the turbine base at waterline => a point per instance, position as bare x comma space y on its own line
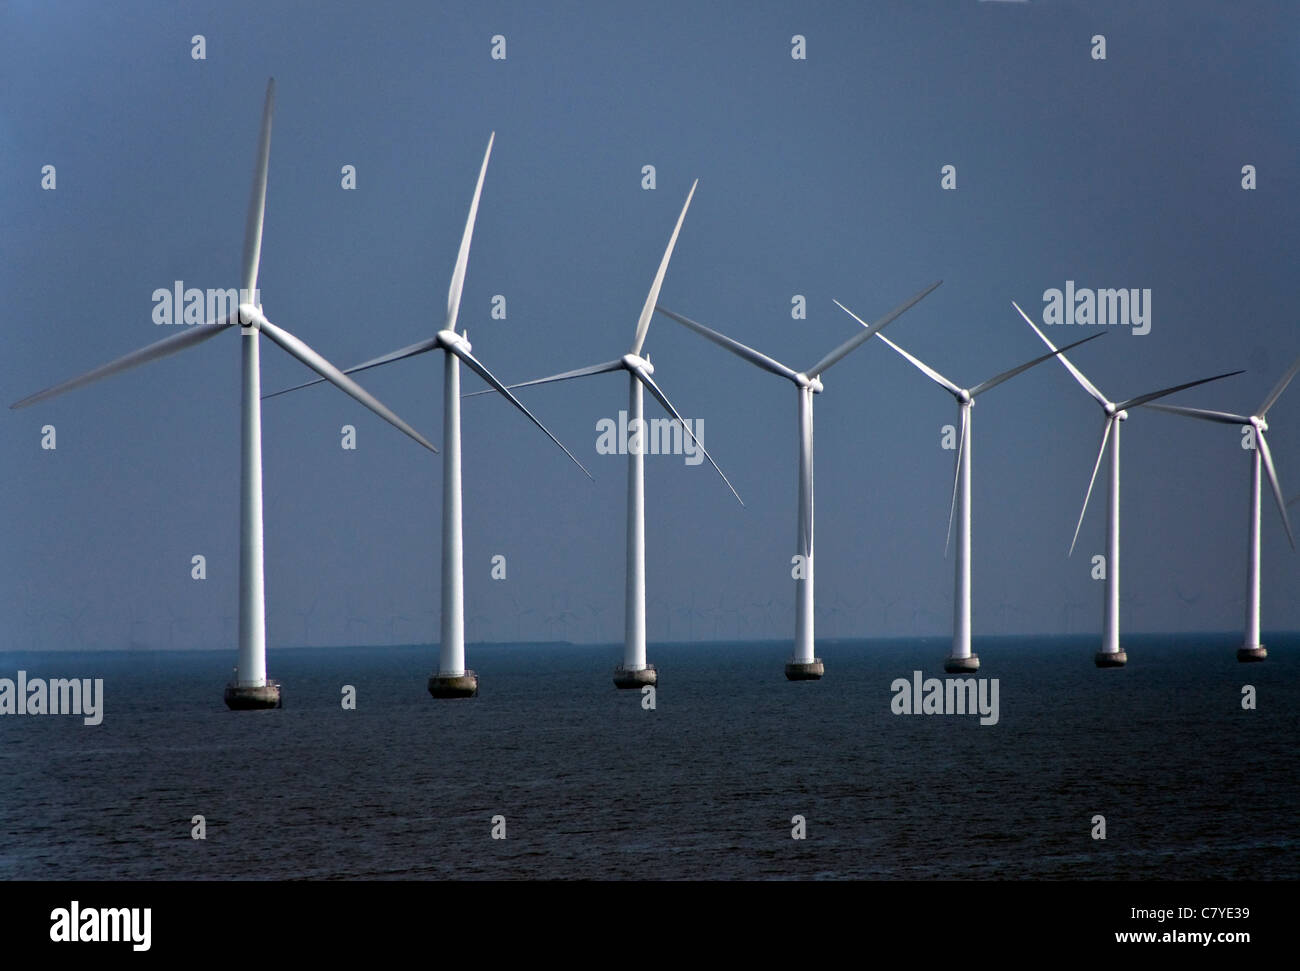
1111, 659
965, 664
1248, 655
625, 677
463, 685
804, 670
246, 696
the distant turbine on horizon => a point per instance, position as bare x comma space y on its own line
1110, 655
250, 689
1251, 648
961, 659
804, 665
452, 679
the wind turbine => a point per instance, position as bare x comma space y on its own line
634, 672
1068, 609
452, 680
352, 620
884, 613
687, 614
1110, 655
803, 665
306, 616
1251, 649
961, 659
250, 689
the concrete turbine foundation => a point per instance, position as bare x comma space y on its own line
1247, 654
625, 677
804, 670
463, 685
246, 696
968, 664
1111, 659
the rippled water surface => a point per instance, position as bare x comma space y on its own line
592, 785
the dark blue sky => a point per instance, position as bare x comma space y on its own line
818, 177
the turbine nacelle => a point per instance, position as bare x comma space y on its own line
250, 315
806, 382
453, 341
634, 362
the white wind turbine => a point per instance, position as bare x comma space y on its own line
961, 659
452, 680
1251, 649
1110, 655
803, 665
250, 689
634, 672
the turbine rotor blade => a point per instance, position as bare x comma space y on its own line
1267, 456
257, 202
956, 479
478, 368
740, 350
1222, 417
1278, 389
317, 363
462, 257
1143, 399
924, 368
654, 389
1087, 385
1105, 436
1008, 375
843, 350
196, 334
643, 322
581, 372
409, 351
